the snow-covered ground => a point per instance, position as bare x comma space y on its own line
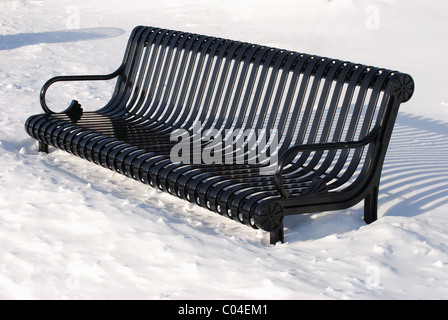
72, 230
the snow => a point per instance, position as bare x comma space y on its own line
72, 230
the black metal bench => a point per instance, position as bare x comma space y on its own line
327, 121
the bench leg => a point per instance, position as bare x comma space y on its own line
277, 235
43, 147
371, 206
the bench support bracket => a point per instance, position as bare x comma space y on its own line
43, 147
277, 235
371, 206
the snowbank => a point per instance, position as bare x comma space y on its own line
72, 230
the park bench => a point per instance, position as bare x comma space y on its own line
250, 132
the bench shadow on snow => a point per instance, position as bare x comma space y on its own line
414, 181
8, 42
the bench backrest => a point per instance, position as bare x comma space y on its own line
177, 78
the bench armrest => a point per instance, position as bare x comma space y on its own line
74, 103
289, 155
